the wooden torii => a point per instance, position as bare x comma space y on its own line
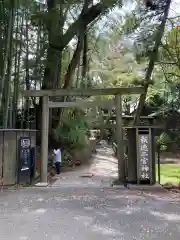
46, 105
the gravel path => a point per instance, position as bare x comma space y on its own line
84, 208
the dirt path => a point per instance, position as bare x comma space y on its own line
102, 169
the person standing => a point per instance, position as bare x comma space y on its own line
57, 159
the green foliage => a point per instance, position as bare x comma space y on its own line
169, 63
74, 131
131, 23
110, 63
156, 97
169, 54
163, 141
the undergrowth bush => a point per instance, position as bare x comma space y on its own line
73, 132
163, 141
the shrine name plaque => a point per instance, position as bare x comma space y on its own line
144, 162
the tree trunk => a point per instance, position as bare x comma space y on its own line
58, 43
74, 62
85, 46
7, 87
85, 18
56, 23
7, 51
53, 60
85, 62
152, 61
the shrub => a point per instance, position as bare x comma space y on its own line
74, 131
163, 141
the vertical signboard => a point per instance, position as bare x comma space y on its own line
24, 160
144, 171
144, 157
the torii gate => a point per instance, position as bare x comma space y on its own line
46, 104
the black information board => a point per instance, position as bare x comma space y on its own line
24, 159
144, 156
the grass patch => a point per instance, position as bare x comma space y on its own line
170, 173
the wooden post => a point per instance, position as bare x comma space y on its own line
44, 139
159, 164
119, 138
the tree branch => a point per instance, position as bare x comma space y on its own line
86, 17
73, 63
168, 63
173, 74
